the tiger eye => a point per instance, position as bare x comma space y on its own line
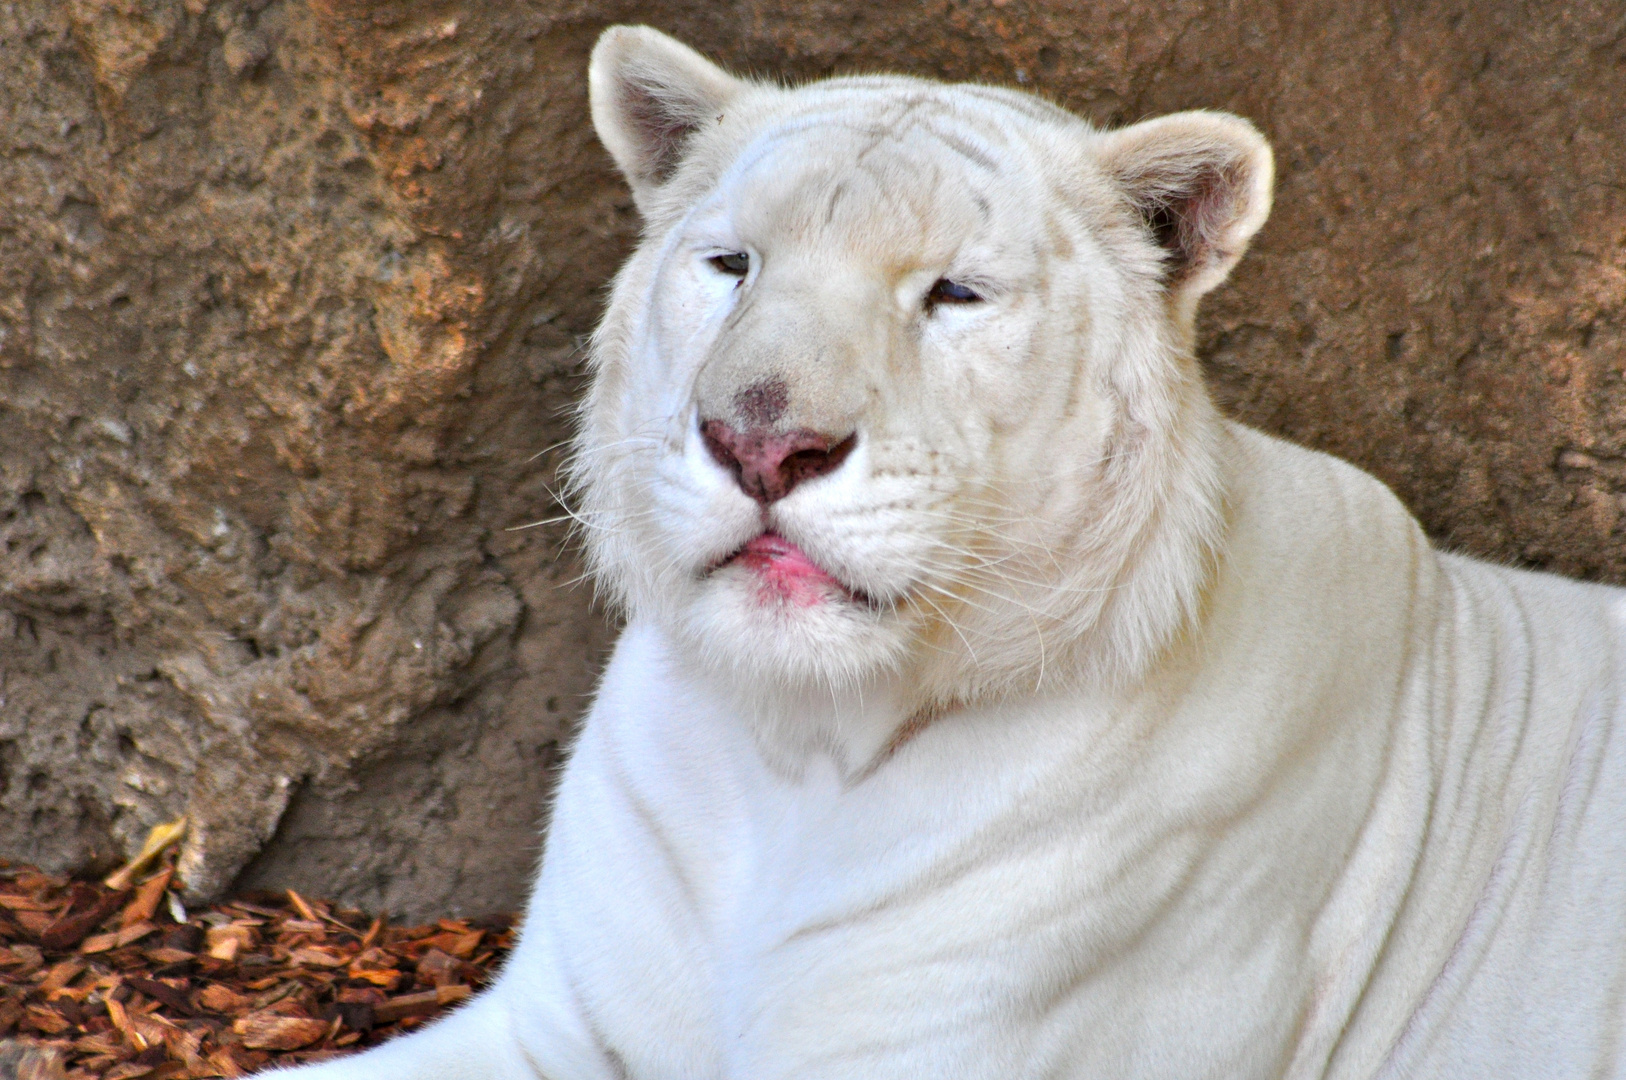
735, 263
950, 292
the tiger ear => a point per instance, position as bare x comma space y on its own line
1201, 182
649, 93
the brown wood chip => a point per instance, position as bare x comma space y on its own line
172, 996
144, 903
61, 975
306, 912
318, 956
72, 928
223, 999
27, 903
46, 1021
269, 1031
430, 1001
128, 1071
96, 943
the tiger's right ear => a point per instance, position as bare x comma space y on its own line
1200, 182
649, 93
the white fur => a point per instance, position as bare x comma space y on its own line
1165, 749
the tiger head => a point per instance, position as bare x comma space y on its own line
897, 394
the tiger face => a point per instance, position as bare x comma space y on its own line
896, 396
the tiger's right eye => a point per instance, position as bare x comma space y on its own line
951, 292
735, 263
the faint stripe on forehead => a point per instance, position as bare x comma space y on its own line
766, 141
984, 157
880, 130
1037, 108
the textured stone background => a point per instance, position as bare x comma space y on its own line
290, 298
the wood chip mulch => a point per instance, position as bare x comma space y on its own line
118, 983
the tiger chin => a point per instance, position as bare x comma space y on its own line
990, 706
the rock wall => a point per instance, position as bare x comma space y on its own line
291, 297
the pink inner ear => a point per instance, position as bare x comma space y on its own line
661, 128
1189, 222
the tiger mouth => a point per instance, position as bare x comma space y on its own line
786, 574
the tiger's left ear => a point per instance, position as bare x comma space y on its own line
1201, 182
649, 93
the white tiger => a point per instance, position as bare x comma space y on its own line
989, 706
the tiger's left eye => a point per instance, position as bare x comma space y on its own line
735, 263
950, 292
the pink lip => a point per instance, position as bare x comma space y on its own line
784, 572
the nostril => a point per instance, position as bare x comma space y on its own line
815, 461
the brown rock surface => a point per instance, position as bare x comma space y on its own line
290, 294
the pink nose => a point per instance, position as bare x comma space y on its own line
767, 465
